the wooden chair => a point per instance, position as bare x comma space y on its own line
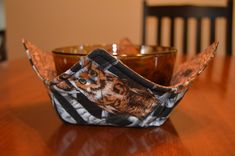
3, 55
185, 12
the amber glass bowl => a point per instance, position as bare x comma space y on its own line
152, 62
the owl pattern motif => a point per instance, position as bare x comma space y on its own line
110, 92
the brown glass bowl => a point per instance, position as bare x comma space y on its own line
152, 62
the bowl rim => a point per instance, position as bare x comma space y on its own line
83, 49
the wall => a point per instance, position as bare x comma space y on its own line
2, 15
55, 23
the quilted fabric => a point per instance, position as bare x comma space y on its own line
101, 90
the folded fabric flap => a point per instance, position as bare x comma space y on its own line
105, 60
189, 70
41, 61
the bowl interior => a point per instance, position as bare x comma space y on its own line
152, 62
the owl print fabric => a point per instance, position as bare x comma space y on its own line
101, 90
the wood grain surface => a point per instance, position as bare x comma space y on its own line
202, 124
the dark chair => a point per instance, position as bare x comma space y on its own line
185, 12
3, 55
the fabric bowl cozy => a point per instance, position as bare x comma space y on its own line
100, 90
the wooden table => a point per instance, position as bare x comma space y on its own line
202, 124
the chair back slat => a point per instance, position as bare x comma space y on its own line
229, 28
198, 34
212, 30
145, 14
185, 35
172, 32
159, 31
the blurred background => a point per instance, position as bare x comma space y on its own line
56, 23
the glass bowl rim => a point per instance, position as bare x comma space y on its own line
157, 50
